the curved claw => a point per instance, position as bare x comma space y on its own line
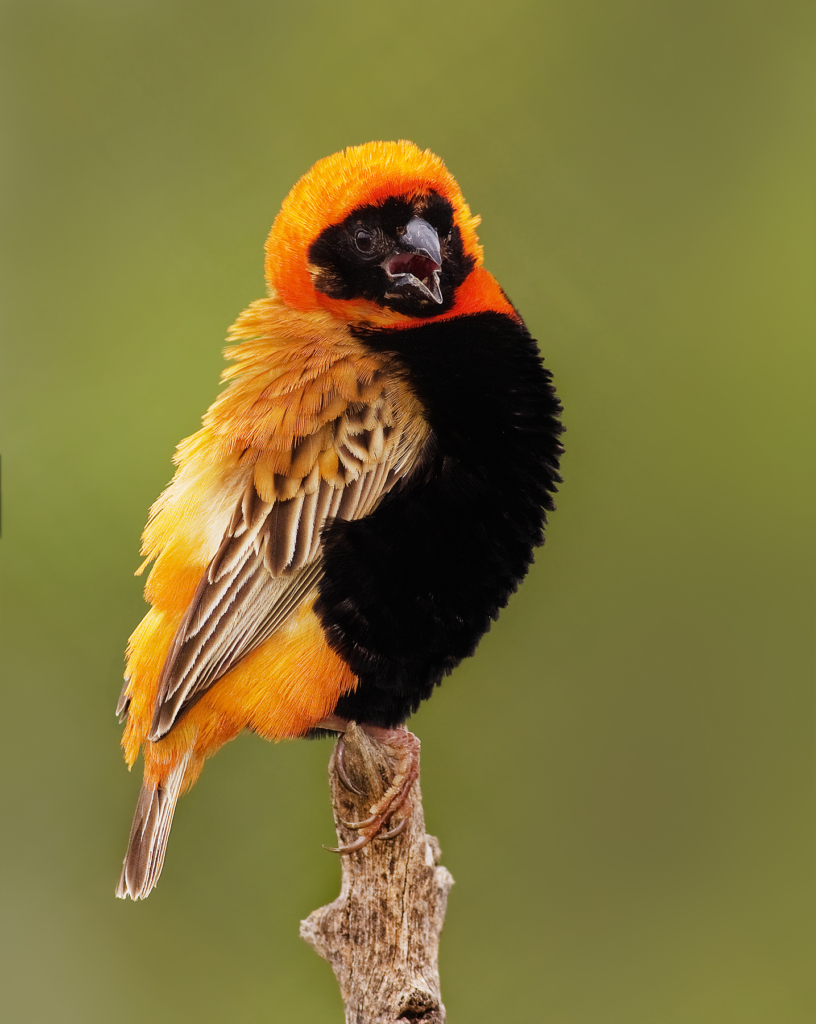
394, 832
340, 768
358, 844
356, 825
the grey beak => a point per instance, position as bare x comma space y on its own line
423, 239
417, 261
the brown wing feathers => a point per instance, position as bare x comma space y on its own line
269, 559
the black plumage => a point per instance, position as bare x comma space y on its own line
408, 591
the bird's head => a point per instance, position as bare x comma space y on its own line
377, 233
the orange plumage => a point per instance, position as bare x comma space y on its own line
314, 426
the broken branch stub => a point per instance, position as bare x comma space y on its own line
381, 934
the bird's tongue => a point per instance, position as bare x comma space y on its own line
412, 263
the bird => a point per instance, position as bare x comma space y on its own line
362, 498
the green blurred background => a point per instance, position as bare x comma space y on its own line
621, 778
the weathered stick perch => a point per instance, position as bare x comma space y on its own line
381, 934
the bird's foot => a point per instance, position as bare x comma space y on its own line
396, 797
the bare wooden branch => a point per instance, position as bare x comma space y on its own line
381, 935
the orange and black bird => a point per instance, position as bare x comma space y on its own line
361, 500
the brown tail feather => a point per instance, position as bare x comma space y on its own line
148, 836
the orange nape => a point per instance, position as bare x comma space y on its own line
280, 690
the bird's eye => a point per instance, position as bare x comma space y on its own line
364, 240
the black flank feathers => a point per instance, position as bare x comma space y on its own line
409, 590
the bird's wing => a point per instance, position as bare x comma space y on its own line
269, 559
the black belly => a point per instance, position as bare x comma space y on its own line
409, 591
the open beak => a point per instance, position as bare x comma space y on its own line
417, 261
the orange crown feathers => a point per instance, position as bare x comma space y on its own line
327, 194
